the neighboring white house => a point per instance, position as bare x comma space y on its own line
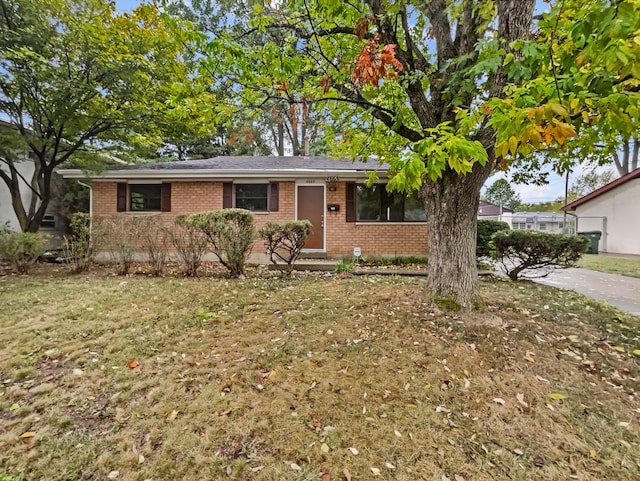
612, 210
551, 222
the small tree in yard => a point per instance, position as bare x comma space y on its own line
190, 244
521, 252
284, 241
230, 233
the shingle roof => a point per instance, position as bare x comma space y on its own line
251, 163
486, 209
634, 174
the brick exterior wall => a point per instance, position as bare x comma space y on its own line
381, 239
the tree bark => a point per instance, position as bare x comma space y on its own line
451, 204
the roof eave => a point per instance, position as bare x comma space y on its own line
201, 174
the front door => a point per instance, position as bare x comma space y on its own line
311, 208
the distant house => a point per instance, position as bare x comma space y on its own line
489, 211
50, 224
551, 222
332, 194
612, 210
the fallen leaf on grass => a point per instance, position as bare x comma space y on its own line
172, 415
389, 465
457, 477
347, 474
556, 396
27, 435
14, 406
499, 400
375, 471
325, 475
113, 474
354, 451
134, 365
324, 448
295, 467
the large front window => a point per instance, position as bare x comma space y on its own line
252, 197
145, 197
376, 204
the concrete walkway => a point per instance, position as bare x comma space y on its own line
619, 291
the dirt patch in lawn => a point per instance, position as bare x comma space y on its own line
276, 377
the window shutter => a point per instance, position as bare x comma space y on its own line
227, 195
274, 200
165, 198
350, 202
121, 205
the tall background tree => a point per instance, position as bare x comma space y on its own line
77, 80
501, 193
443, 91
282, 125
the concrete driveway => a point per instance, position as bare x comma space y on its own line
620, 291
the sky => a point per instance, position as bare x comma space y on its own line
528, 193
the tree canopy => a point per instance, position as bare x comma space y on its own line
78, 79
444, 92
501, 193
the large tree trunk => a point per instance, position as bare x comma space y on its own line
451, 203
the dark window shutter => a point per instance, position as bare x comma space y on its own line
227, 195
274, 199
165, 198
122, 197
350, 202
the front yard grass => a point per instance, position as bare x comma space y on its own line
613, 265
276, 378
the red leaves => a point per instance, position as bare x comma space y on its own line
373, 64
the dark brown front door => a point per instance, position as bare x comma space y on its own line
311, 207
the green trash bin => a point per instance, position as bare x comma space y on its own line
593, 236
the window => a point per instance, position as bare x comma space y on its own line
252, 197
376, 204
145, 197
519, 226
48, 221
542, 226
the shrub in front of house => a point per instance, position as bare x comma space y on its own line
155, 240
190, 244
119, 239
230, 234
78, 244
536, 254
486, 229
284, 241
22, 249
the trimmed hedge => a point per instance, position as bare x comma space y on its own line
284, 240
520, 251
22, 249
230, 233
485, 230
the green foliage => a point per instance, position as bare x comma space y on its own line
230, 234
78, 244
284, 240
486, 229
345, 265
80, 80
501, 193
22, 249
522, 252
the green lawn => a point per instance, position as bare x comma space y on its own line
276, 378
613, 265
